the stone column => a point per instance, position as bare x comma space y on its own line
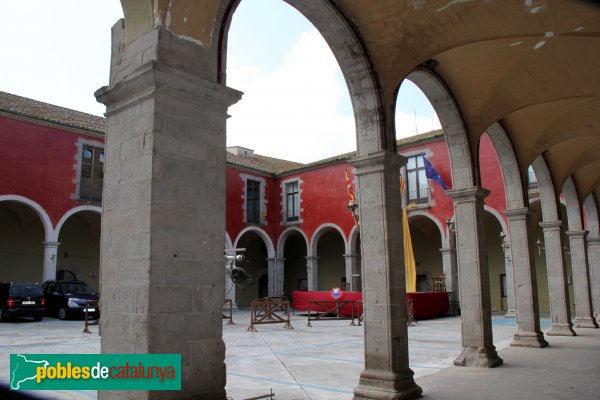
526, 295
557, 280
477, 341
511, 311
312, 272
50, 258
351, 271
275, 268
450, 270
387, 374
230, 291
584, 317
594, 265
163, 219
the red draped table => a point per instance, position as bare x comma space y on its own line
426, 305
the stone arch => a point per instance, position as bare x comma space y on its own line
464, 169
228, 242
285, 235
548, 195
38, 209
352, 239
572, 204
354, 63
319, 232
513, 180
72, 212
591, 216
438, 224
263, 235
498, 216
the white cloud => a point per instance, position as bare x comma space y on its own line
405, 124
291, 113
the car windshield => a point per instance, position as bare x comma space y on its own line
76, 288
26, 289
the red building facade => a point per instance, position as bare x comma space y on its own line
292, 219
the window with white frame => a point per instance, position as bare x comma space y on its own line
253, 201
292, 201
92, 173
417, 183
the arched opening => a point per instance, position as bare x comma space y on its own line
256, 255
294, 266
290, 78
79, 249
567, 255
21, 243
426, 241
331, 263
496, 263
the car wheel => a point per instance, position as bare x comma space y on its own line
62, 313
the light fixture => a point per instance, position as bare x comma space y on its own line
540, 246
353, 207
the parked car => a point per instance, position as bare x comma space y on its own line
67, 299
21, 299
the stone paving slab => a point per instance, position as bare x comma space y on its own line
320, 363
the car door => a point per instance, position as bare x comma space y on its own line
53, 295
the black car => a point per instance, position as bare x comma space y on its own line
21, 299
67, 299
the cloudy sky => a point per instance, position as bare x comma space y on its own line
295, 105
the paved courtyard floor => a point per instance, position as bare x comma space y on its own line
323, 362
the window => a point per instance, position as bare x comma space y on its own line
292, 201
92, 173
532, 182
417, 185
252, 201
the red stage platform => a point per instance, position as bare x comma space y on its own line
426, 305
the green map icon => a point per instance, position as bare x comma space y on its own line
23, 369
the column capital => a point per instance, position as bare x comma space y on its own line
446, 250
516, 213
468, 194
350, 256
51, 244
147, 79
377, 162
311, 258
551, 225
593, 239
275, 259
576, 234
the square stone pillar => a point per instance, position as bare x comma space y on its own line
584, 317
50, 258
475, 304
312, 272
511, 312
450, 270
387, 374
526, 295
593, 243
163, 219
275, 271
557, 280
351, 271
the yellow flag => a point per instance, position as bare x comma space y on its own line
409, 257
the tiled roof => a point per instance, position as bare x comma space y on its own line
24, 107
263, 163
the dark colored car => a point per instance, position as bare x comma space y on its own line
67, 299
21, 299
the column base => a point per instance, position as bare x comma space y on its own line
585, 322
485, 357
529, 339
385, 385
511, 313
561, 330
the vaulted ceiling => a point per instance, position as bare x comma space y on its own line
532, 65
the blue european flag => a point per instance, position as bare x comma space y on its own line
433, 174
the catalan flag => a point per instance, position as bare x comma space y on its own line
351, 195
409, 256
402, 186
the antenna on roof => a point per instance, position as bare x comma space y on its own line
416, 130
